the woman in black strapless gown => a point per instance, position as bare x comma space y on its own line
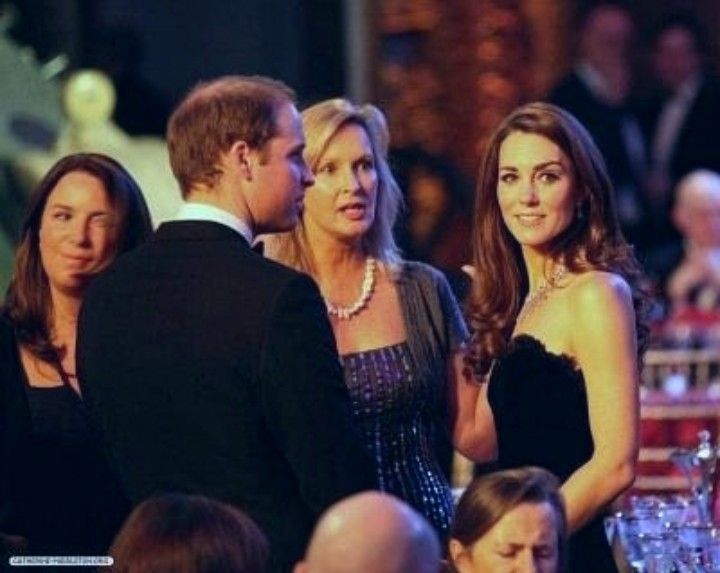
545, 423
562, 366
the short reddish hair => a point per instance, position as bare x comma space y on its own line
216, 114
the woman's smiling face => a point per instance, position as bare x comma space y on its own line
535, 189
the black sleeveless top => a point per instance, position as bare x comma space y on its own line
539, 404
67, 501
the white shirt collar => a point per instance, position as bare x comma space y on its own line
204, 212
689, 89
594, 81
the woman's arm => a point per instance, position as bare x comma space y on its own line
604, 344
471, 420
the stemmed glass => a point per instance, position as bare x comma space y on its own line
699, 466
699, 547
644, 537
648, 532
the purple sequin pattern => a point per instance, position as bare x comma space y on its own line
392, 404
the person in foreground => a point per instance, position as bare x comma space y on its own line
213, 370
511, 521
56, 488
398, 327
558, 317
178, 533
371, 531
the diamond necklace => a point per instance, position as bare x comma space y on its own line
536, 297
368, 284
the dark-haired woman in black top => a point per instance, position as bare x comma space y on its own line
58, 495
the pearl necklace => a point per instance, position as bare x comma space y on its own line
368, 285
539, 295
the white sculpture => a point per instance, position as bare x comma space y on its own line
88, 99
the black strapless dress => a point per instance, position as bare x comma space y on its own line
539, 403
67, 500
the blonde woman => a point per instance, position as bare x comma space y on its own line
398, 328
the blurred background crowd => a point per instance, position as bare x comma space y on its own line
641, 76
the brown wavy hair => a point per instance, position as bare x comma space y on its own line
593, 241
28, 304
488, 498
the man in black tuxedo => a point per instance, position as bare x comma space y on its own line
210, 369
681, 121
597, 92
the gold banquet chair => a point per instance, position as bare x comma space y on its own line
680, 395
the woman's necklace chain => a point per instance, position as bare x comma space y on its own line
536, 297
368, 285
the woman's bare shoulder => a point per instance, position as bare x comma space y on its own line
592, 288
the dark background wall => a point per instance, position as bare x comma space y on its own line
155, 50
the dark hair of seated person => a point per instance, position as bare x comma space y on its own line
488, 498
178, 533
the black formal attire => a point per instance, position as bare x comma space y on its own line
539, 403
659, 265
618, 135
214, 371
694, 146
56, 487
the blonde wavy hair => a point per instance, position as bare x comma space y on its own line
321, 123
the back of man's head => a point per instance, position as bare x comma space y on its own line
374, 532
216, 114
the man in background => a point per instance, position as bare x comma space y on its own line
597, 92
695, 279
682, 119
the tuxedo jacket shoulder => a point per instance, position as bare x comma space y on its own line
214, 370
695, 147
